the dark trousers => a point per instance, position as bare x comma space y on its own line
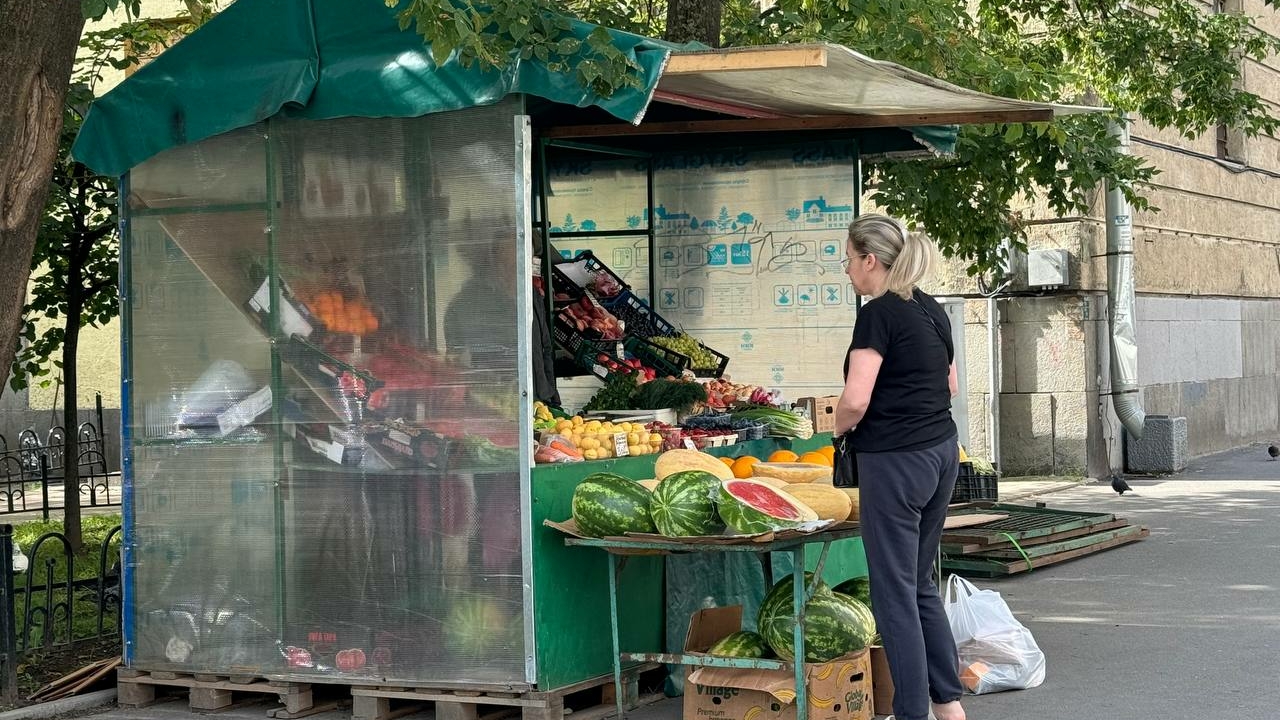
903, 498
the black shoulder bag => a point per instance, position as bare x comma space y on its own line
846, 461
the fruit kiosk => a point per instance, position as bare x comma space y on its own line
329, 335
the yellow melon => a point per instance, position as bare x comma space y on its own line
830, 503
792, 472
853, 499
680, 459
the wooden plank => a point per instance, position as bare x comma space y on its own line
205, 698
103, 671
954, 548
589, 683
968, 520
1064, 545
810, 122
365, 707
1069, 521
136, 695
456, 711
284, 714
69, 680
438, 697
765, 58
994, 568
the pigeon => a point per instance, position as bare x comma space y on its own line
1273, 451
1119, 485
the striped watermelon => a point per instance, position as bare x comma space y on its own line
863, 611
605, 504
744, 644
834, 625
684, 505
858, 588
750, 507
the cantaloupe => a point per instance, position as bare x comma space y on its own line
649, 485
853, 499
830, 503
680, 459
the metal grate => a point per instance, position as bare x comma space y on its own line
1025, 522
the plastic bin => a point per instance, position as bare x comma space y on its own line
971, 486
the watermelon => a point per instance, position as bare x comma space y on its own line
683, 504
744, 644
750, 507
863, 611
858, 588
477, 626
605, 504
835, 624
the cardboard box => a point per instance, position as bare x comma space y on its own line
838, 690
821, 410
881, 682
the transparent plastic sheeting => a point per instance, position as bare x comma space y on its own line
705, 580
324, 404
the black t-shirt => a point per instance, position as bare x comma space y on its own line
910, 405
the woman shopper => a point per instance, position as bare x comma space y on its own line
900, 376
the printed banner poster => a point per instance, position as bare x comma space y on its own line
749, 245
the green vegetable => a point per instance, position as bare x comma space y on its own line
617, 394
678, 394
780, 422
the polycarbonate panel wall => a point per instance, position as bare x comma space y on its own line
324, 405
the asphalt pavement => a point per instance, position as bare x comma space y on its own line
1181, 626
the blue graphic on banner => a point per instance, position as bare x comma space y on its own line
806, 295
831, 294
669, 299
740, 254
718, 254
622, 257
695, 256
782, 295
830, 251
668, 257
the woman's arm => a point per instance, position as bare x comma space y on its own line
953, 380
864, 367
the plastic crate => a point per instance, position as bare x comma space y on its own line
579, 273
666, 362
971, 486
637, 317
718, 370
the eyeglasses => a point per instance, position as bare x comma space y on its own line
844, 263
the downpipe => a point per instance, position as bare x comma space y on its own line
1120, 301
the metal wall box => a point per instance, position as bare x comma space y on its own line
1048, 267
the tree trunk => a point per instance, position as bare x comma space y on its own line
698, 20
36, 58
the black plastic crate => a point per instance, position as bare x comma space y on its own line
666, 362
718, 370
972, 486
637, 317
592, 265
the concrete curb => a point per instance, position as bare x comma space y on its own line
78, 703
1044, 489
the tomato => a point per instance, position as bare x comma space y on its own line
296, 657
350, 660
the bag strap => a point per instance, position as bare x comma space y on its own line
959, 587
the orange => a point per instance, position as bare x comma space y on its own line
783, 456
815, 458
727, 461
742, 466
830, 453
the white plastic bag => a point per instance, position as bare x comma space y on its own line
996, 651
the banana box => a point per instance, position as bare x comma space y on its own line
837, 690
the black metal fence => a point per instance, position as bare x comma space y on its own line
48, 607
33, 467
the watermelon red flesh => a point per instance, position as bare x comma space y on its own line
761, 499
751, 506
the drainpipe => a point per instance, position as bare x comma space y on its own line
1120, 302
993, 379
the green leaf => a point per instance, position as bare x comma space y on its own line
93, 9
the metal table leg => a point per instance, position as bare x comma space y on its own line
618, 693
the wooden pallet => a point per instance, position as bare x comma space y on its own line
211, 693
595, 696
1031, 537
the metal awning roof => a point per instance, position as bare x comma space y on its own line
820, 86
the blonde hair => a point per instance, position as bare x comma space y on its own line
906, 255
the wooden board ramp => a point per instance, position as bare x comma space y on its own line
1031, 537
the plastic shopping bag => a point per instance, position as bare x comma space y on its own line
996, 651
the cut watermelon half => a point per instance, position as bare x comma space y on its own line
750, 507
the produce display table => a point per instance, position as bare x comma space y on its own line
620, 550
